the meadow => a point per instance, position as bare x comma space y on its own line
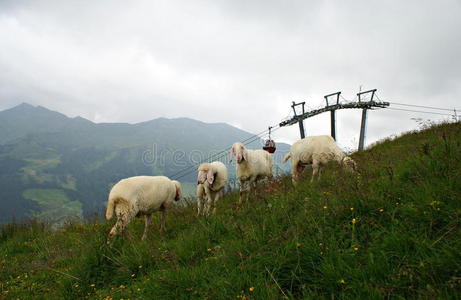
390, 231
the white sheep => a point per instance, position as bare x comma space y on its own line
318, 151
211, 180
252, 165
141, 196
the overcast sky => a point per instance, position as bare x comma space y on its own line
238, 61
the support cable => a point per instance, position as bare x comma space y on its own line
419, 111
188, 170
421, 106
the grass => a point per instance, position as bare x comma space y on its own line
390, 231
36, 169
54, 204
70, 183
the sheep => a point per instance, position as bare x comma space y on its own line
318, 151
141, 196
211, 180
252, 165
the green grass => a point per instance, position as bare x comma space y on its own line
70, 183
390, 231
36, 169
96, 165
54, 204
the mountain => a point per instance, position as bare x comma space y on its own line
53, 166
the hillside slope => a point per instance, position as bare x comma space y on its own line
390, 231
52, 166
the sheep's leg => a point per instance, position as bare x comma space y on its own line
255, 184
209, 204
242, 191
208, 200
199, 205
215, 200
296, 170
240, 196
162, 220
247, 190
148, 221
315, 170
206, 211
251, 187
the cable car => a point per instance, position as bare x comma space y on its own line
269, 145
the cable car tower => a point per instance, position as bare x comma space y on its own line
332, 107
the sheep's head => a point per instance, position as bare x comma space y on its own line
239, 151
113, 232
349, 164
205, 174
178, 188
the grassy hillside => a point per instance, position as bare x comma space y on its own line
390, 231
42, 150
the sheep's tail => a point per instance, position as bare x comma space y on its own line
287, 157
110, 208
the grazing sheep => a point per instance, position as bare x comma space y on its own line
318, 151
252, 165
211, 180
141, 196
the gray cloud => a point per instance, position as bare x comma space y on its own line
240, 62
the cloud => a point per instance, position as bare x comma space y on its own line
240, 62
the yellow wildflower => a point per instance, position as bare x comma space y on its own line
209, 249
92, 285
342, 281
121, 286
356, 248
251, 289
381, 210
354, 220
325, 207
351, 208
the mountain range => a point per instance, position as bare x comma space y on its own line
53, 167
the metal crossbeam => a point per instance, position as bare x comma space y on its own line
367, 105
364, 105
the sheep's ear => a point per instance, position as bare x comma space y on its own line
210, 176
231, 153
199, 177
244, 153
